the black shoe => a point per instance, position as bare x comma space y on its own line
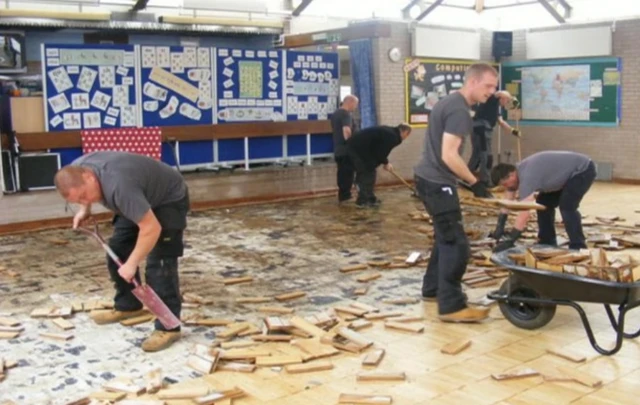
376, 201
344, 198
365, 205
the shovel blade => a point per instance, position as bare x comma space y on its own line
154, 304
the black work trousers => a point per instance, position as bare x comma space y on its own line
162, 261
450, 251
366, 175
481, 159
345, 175
568, 200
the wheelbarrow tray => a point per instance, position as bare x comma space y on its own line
567, 286
529, 297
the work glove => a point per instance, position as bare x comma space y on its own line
516, 132
499, 231
480, 190
508, 242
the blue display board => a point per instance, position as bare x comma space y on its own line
312, 85
249, 85
89, 86
176, 85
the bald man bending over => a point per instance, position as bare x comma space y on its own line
150, 201
342, 127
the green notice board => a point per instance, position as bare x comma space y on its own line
580, 92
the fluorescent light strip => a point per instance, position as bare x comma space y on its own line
173, 19
62, 15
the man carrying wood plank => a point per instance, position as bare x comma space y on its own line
368, 149
553, 179
150, 201
436, 177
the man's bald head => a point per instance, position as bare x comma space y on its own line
350, 103
78, 184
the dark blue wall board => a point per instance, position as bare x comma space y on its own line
321, 144
249, 85
196, 152
89, 86
176, 85
312, 84
167, 154
67, 155
268, 147
296, 145
230, 150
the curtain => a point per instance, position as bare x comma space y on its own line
362, 74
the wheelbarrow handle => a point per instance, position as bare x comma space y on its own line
96, 234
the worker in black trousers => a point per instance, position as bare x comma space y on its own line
437, 175
555, 179
485, 117
368, 149
342, 127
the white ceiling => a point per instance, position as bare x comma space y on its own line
323, 14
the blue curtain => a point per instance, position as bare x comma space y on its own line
362, 73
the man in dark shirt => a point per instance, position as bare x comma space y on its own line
486, 116
436, 178
150, 201
555, 179
342, 126
368, 149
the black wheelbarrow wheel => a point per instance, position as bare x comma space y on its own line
525, 315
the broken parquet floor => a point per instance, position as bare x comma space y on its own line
300, 246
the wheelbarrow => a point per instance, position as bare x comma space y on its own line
528, 298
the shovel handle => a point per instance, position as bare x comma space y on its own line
401, 179
96, 234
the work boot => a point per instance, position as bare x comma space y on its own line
113, 316
159, 340
467, 315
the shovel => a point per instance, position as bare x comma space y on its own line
143, 293
415, 194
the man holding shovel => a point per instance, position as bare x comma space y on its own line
368, 149
436, 175
150, 201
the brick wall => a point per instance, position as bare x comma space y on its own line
389, 82
618, 145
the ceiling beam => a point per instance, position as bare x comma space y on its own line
567, 8
298, 10
429, 9
479, 6
554, 13
412, 3
140, 5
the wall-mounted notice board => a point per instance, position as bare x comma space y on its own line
176, 85
427, 81
312, 85
248, 85
89, 86
580, 92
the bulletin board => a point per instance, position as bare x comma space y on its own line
249, 85
89, 86
176, 85
576, 92
429, 80
312, 85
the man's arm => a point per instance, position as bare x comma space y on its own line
504, 124
346, 126
149, 232
451, 157
523, 217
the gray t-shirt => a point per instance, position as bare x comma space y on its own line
549, 171
452, 114
132, 184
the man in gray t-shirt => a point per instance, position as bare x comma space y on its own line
150, 201
553, 179
436, 176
